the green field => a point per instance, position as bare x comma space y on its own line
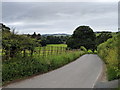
58, 45
50, 49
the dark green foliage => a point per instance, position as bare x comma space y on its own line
19, 67
14, 44
35, 36
38, 37
82, 36
43, 42
5, 28
53, 40
102, 37
49, 39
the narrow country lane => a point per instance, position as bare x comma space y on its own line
82, 73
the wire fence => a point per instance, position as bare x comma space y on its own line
50, 50
43, 51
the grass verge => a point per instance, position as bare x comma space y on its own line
109, 52
19, 67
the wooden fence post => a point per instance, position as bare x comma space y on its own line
47, 51
57, 50
39, 51
43, 51
51, 50
61, 49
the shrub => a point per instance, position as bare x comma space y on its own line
83, 49
90, 51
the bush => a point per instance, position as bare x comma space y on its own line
90, 51
83, 49
21, 67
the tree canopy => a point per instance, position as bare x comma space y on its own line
102, 37
82, 36
14, 44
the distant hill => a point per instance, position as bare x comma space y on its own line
59, 34
103, 32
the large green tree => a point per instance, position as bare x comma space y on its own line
82, 36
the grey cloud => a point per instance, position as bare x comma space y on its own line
59, 16
119, 14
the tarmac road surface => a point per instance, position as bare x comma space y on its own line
81, 73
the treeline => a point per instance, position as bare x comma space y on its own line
51, 39
14, 44
80, 37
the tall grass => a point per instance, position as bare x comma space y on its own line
20, 67
109, 52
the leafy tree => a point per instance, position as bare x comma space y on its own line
38, 37
53, 40
104, 36
34, 35
64, 39
27, 43
43, 42
82, 36
14, 44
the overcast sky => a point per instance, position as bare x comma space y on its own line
59, 17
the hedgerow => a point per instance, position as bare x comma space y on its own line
109, 52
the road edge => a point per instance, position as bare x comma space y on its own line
101, 74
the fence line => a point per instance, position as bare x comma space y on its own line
52, 50
46, 51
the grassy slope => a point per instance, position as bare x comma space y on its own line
109, 52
